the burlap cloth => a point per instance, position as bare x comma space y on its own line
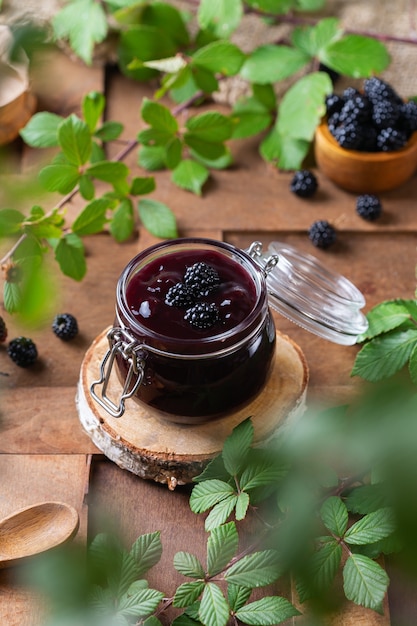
395, 18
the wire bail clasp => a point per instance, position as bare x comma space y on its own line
123, 344
267, 264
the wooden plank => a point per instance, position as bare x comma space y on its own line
26, 480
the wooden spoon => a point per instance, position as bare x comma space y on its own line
35, 529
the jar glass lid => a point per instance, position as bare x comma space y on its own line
307, 293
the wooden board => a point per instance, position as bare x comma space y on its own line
173, 454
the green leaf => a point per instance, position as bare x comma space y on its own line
168, 19
334, 515
12, 297
356, 56
92, 218
142, 185
261, 471
275, 7
123, 574
267, 611
250, 121
10, 222
154, 137
157, 218
412, 365
324, 565
206, 149
158, 116
42, 130
255, 570
365, 582
171, 65
140, 604
84, 23
152, 158
214, 610
221, 57
312, 39
265, 95
86, 186
190, 175
385, 355
59, 177
237, 596
187, 593
93, 105
389, 315
147, 551
288, 152
208, 493
220, 512
220, 17
109, 131
221, 547
366, 498
220, 163
205, 79
70, 256
210, 126
242, 505
173, 153
112, 172
122, 222
303, 106
188, 565
273, 63
144, 43
236, 447
75, 140
371, 528
44, 229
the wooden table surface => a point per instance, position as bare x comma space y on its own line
45, 453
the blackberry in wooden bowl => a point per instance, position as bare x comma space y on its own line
367, 142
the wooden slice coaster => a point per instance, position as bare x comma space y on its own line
144, 443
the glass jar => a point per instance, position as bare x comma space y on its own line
189, 375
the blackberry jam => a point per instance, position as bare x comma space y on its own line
193, 337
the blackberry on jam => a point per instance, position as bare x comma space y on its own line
22, 351
3, 330
304, 184
202, 315
201, 278
322, 234
180, 295
65, 326
368, 206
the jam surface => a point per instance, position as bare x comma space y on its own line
225, 304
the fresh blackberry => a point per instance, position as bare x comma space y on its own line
334, 104
348, 136
202, 315
376, 90
368, 206
3, 330
65, 326
22, 351
333, 123
349, 93
180, 295
385, 113
201, 278
408, 116
322, 234
304, 183
390, 139
356, 109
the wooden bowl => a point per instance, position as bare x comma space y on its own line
364, 172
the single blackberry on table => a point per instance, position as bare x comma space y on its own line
22, 351
65, 326
202, 315
322, 234
304, 184
201, 278
180, 295
368, 206
3, 330
390, 139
